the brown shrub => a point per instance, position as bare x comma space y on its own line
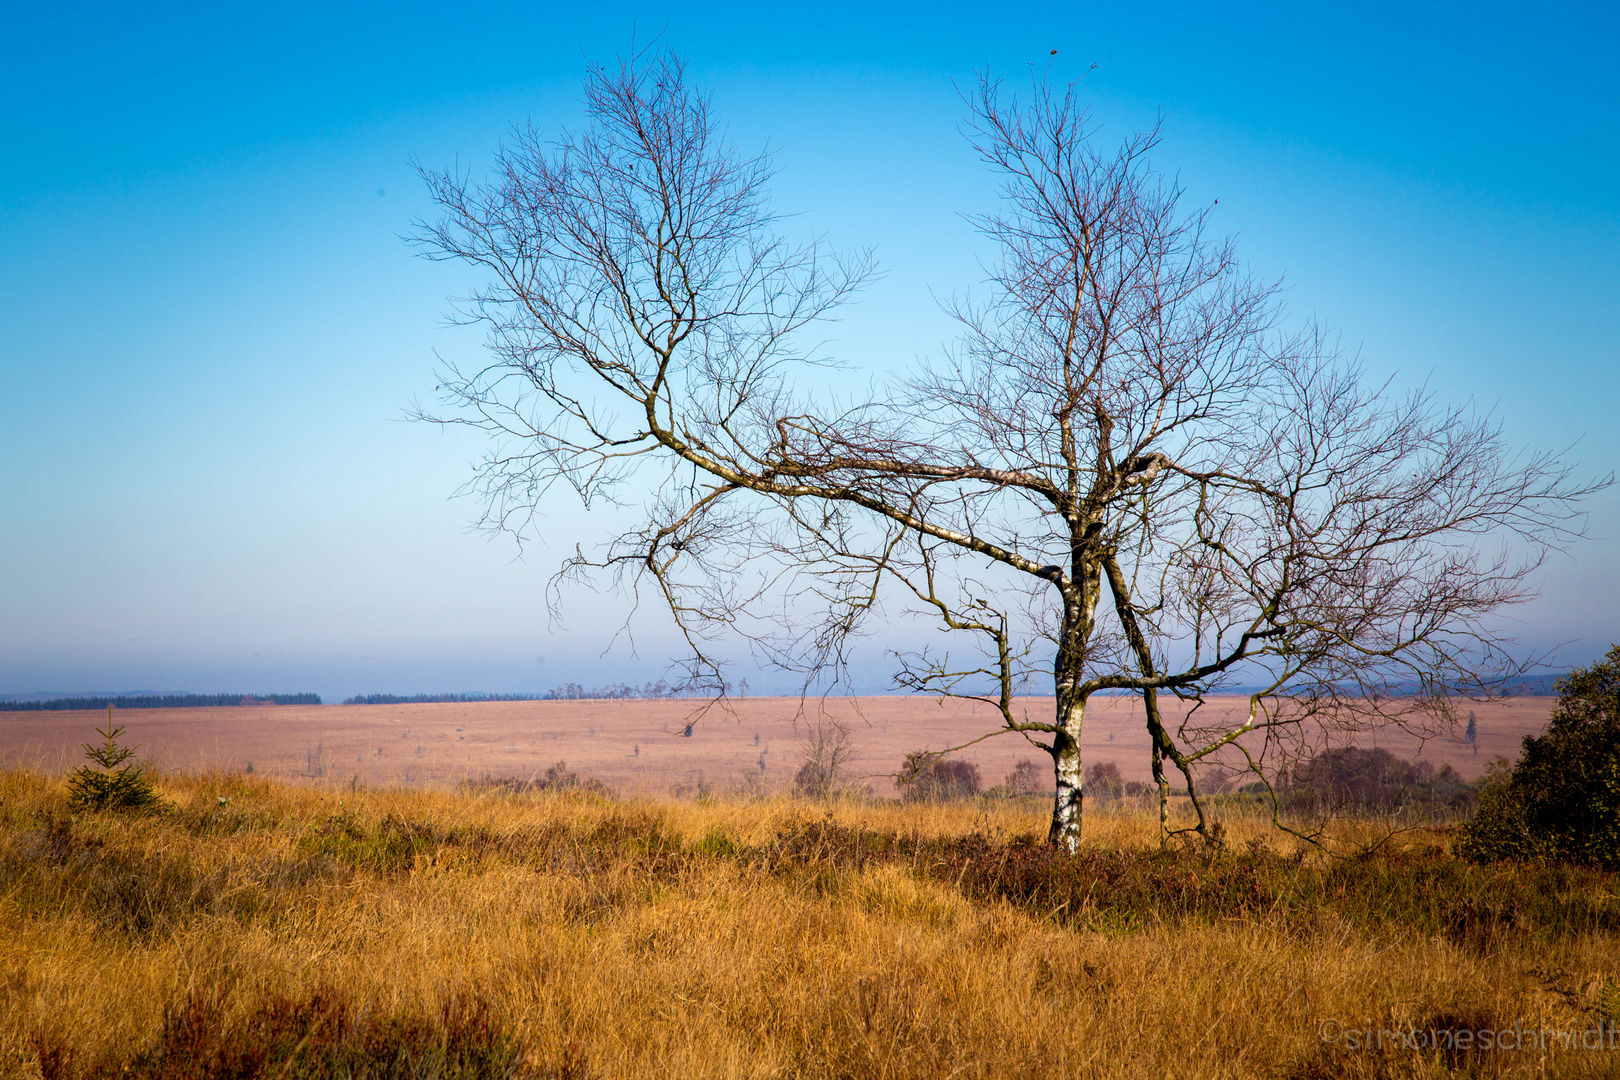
927, 777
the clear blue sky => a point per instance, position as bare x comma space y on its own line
209, 325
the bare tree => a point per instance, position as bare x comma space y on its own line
1128, 477
926, 776
826, 750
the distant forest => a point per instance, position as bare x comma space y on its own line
566, 692
159, 701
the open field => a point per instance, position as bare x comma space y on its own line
633, 746
261, 929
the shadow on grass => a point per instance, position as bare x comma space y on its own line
322, 1035
1422, 891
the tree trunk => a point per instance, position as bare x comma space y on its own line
1066, 805
1070, 706
1161, 750
1066, 762
1161, 787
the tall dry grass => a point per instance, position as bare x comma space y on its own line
255, 927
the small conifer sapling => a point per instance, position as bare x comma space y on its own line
116, 781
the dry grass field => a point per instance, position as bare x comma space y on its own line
255, 928
635, 747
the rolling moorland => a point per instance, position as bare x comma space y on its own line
636, 747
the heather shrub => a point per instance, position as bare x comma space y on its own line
558, 777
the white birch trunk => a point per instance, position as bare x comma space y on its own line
1067, 803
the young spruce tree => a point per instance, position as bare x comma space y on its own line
117, 783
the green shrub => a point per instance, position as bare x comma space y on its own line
1561, 801
118, 783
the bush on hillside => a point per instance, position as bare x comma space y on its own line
1561, 800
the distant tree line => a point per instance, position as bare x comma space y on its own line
565, 692
159, 701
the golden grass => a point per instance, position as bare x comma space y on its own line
677, 939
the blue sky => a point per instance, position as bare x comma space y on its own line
210, 326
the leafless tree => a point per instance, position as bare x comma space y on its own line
826, 751
1128, 477
926, 776
1025, 778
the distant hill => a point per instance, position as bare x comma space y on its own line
436, 699
1522, 686
42, 703
568, 692
1535, 685
52, 695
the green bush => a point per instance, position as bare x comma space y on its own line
118, 783
1561, 801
